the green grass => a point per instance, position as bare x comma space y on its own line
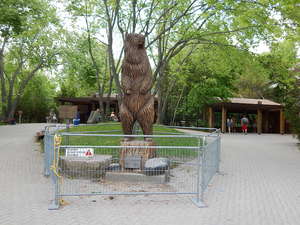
115, 128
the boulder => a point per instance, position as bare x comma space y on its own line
81, 167
156, 166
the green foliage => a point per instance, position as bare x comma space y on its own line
281, 63
292, 110
206, 74
38, 99
17, 15
29, 40
278, 63
78, 76
272, 76
253, 80
188, 43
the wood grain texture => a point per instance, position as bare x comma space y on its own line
136, 81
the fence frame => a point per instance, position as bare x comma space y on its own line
205, 172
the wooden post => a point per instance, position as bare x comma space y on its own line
259, 121
266, 122
210, 117
282, 122
223, 119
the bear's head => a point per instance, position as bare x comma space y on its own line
134, 48
135, 41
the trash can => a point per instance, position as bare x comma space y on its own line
76, 122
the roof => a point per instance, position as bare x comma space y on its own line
246, 104
252, 101
86, 100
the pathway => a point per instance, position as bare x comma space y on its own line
259, 185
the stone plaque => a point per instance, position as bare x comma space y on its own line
133, 162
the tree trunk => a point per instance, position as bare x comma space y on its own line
108, 109
100, 87
111, 19
3, 88
12, 109
177, 104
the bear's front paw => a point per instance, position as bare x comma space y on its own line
128, 92
143, 91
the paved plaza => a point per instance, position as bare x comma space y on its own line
259, 184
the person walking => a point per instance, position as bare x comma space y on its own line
244, 123
229, 124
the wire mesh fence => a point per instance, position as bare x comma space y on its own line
98, 163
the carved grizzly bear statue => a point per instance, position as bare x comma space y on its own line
136, 81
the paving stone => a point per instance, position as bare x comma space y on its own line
259, 184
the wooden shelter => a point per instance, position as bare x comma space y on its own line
264, 116
88, 104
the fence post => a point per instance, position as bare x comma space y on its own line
46, 155
54, 156
198, 201
218, 152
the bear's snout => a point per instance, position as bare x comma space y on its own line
141, 44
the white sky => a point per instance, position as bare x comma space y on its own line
261, 48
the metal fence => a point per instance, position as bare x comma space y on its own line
164, 163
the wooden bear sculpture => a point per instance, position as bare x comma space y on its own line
136, 82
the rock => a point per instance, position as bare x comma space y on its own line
113, 167
79, 167
156, 166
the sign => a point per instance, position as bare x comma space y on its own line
80, 152
133, 162
67, 111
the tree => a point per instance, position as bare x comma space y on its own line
28, 44
278, 63
84, 9
199, 78
172, 26
38, 99
78, 75
253, 80
282, 66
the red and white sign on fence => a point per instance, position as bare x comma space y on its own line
80, 152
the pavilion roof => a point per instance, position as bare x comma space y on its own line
86, 100
246, 104
252, 101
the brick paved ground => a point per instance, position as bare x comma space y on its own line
259, 185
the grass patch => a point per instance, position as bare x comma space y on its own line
115, 128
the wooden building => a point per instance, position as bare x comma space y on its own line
88, 104
264, 116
